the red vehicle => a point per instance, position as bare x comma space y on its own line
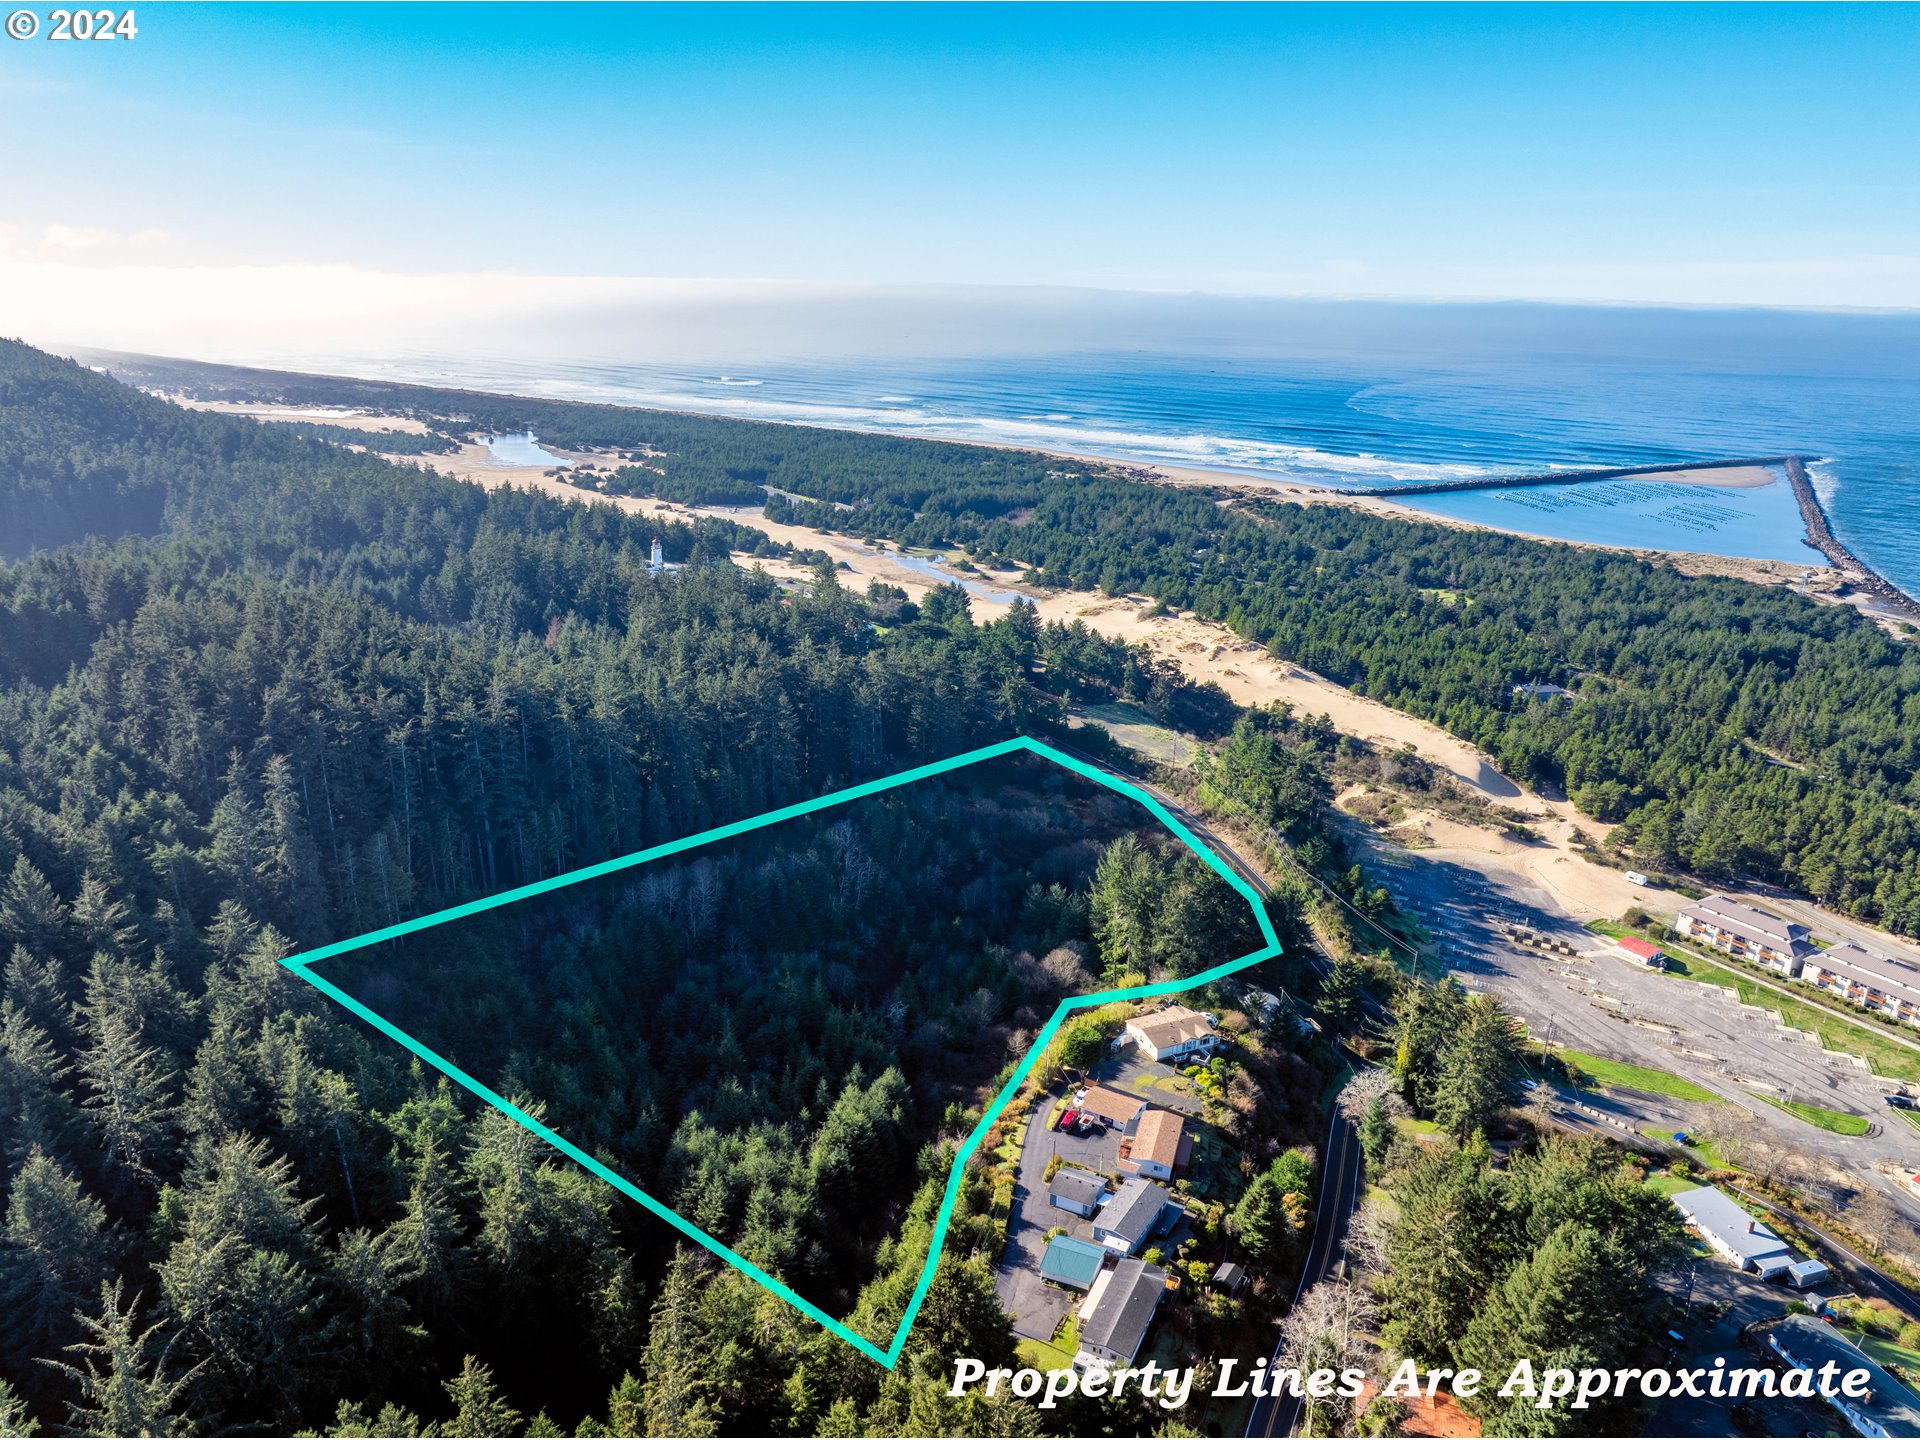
1067, 1117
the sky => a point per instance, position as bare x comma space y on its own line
239, 169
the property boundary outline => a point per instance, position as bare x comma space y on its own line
300, 965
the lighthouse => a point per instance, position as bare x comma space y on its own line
657, 561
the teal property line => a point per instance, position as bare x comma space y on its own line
301, 965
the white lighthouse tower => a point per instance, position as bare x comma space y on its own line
657, 561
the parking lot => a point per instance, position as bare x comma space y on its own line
1600, 1002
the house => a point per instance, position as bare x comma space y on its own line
1537, 690
1116, 1107
1158, 1146
1137, 1210
1174, 1034
1745, 931
1077, 1191
1731, 1233
1073, 1263
1866, 977
1231, 1279
1651, 956
1888, 1408
1116, 1313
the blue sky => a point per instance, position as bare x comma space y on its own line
1670, 153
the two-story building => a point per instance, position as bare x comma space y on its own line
1174, 1035
1868, 978
1747, 932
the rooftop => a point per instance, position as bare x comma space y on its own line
1171, 1025
1072, 1262
1157, 1139
1716, 1214
1635, 946
1134, 1210
1111, 1105
1870, 967
1118, 1312
1071, 1183
1753, 925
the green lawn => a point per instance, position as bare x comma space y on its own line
1907, 1115
1672, 1184
1636, 1077
1834, 1120
1886, 1055
1055, 1356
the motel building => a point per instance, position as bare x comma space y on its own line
1867, 978
1747, 932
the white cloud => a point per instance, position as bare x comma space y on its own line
73, 237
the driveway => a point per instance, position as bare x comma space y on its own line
1036, 1306
1128, 1072
1748, 1301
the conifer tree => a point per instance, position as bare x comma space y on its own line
124, 1384
55, 1252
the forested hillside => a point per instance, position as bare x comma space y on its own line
304, 692
1736, 730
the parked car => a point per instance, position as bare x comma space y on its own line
1067, 1119
1085, 1124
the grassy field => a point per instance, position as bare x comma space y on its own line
1885, 1054
1834, 1120
1140, 732
1636, 1077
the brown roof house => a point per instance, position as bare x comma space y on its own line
1158, 1146
1116, 1107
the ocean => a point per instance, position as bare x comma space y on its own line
1353, 421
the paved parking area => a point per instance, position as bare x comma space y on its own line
1137, 1076
1747, 1301
1036, 1306
1605, 1004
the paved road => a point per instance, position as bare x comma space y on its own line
1341, 1176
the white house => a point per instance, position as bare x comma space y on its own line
1174, 1034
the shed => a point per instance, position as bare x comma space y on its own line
1230, 1278
1807, 1273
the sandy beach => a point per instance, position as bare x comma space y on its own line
313, 415
1204, 651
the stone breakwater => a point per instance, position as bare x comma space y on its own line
1821, 537
1560, 477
